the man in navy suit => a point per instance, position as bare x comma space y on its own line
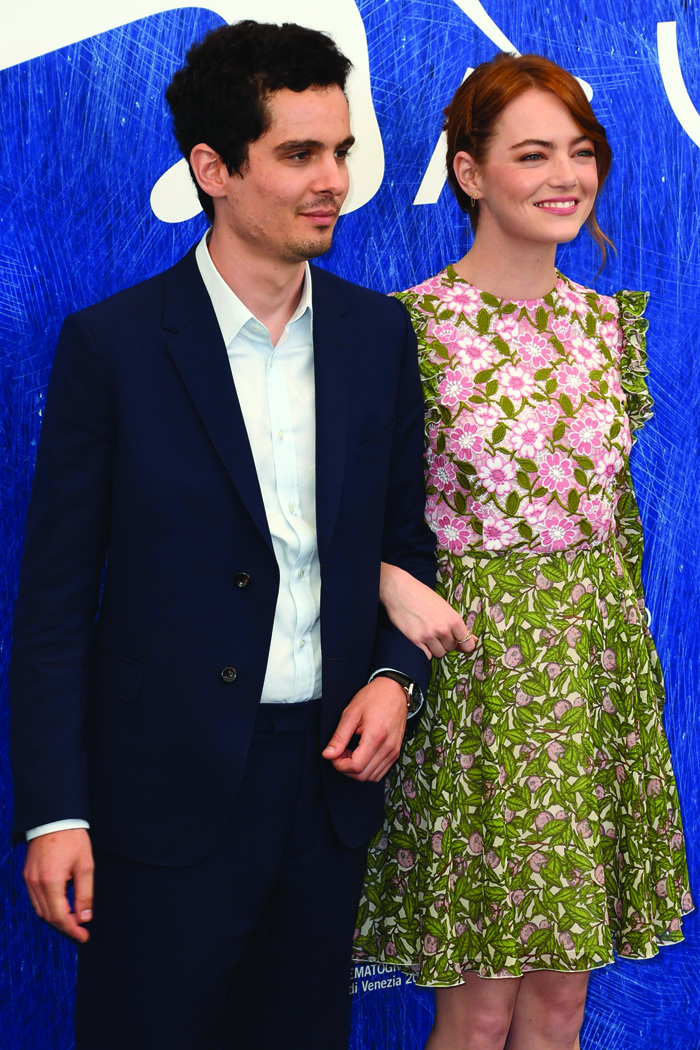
238, 440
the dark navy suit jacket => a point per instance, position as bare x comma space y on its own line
120, 714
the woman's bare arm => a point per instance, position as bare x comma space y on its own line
422, 615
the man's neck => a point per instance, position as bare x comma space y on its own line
270, 288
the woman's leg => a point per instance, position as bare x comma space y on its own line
475, 1015
548, 1011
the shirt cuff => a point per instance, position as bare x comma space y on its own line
421, 697
57, 825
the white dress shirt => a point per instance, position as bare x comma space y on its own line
276, 391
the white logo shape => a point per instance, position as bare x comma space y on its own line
28, 30
672, 76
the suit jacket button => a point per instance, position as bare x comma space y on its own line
228, 674
241, 579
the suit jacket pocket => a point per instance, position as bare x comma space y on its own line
115, 675
376, 445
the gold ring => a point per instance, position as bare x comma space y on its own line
466, 638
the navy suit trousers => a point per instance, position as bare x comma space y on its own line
249, 949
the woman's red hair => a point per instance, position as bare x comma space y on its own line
472, 115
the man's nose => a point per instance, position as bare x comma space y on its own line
331, 175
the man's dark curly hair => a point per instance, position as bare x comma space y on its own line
220, 97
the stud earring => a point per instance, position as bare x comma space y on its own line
473, 197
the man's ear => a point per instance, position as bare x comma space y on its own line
467, 173
209, 170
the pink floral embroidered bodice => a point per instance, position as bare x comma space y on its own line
527, 420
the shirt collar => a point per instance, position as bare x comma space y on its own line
231, 313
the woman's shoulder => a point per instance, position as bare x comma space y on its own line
445, 296
431, 287
578, 297
620, 322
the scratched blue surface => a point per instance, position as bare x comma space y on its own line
86, 135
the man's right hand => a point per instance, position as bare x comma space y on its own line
53, 861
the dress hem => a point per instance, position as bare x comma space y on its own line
410, 969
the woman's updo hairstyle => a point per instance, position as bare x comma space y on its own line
472, 115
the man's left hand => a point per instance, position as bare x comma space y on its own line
377, 714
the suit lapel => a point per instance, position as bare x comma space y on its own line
198, 350
333, 364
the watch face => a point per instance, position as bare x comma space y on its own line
412, 696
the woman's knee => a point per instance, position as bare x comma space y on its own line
477, 1013
559, 999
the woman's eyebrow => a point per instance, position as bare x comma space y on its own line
546, 144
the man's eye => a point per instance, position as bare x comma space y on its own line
343, 154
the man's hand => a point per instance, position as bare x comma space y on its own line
54, 860
377, 714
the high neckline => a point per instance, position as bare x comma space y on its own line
454, 277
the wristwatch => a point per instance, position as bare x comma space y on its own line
414, 693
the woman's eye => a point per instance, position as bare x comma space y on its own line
532, 156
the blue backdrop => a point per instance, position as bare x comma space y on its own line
86, 137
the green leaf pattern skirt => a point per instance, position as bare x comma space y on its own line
532, 821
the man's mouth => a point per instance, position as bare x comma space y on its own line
320, 216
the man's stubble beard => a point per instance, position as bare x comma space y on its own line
308, 248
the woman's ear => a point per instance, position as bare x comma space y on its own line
467, 173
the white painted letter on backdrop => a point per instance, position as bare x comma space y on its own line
435, 174
672, 76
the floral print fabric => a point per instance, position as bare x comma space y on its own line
532, 821
527, 424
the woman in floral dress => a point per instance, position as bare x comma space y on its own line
532, 822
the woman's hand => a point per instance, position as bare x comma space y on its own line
422, 615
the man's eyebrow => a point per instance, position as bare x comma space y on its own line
549, 145
297, 145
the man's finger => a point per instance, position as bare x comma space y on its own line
338, 743
56, 907
82, 894
370, 760
36, 901
353, 763
375, 770
61, 916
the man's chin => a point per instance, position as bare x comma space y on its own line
310, 247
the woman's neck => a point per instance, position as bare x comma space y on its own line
510, 270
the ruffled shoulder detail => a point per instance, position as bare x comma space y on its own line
633, 357
430, 372
408, 297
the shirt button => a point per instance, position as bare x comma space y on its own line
228, 675
300, 574
302, 643
291, 508
280, 435
241, 579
